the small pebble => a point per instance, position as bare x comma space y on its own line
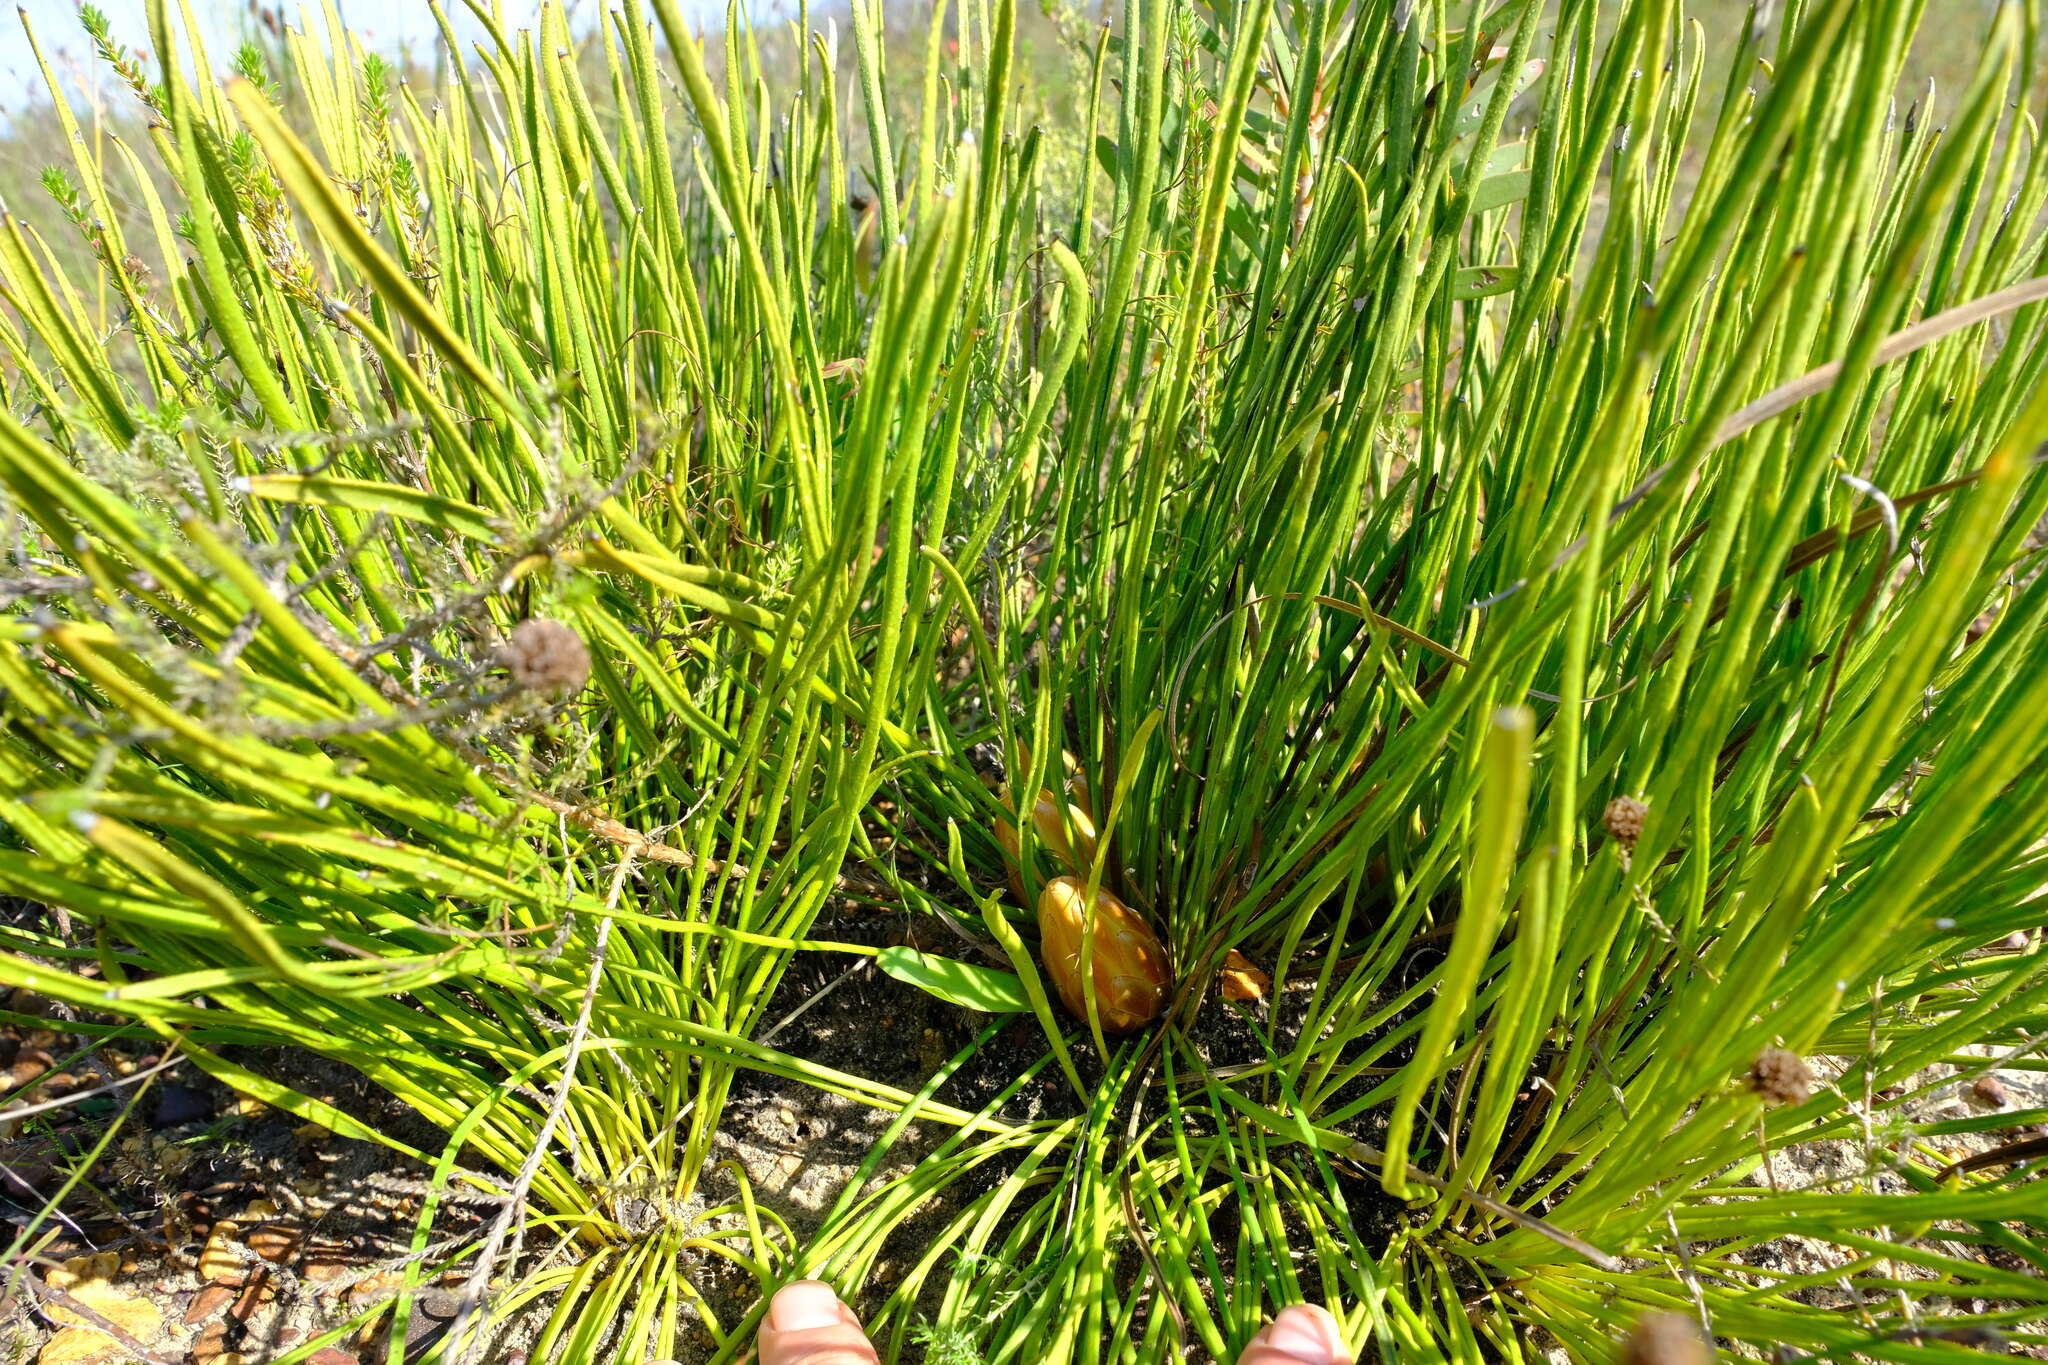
177, 1105
432, 1313
1990, 1092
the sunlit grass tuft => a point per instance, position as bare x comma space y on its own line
1535, 554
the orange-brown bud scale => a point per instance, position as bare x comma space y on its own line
1077, 785
1075, 853
1131, 976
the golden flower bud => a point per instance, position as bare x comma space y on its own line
1077, 787
1130, 971
1075, 854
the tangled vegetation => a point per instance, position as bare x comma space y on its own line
1531, 546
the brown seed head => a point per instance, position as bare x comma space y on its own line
1623, 820
1665, 1339
546, 656
1781, 1077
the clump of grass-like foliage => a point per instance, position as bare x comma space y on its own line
1536, 552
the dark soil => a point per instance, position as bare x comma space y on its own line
247, 1232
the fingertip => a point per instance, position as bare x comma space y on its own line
1300, 1334
1309, 1323
808, 1324
802, 1305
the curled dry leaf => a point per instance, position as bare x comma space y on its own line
100, 1266
221, 1258
131, 1313
82, 1346
1241, 980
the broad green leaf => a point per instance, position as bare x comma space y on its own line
987, 989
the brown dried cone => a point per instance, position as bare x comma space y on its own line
1665, 1339
1130, 971
1781, 1077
